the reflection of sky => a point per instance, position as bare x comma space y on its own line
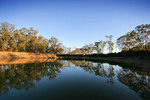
76, 78
75, 82
77, 22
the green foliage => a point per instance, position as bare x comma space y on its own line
110, 43
26, 40
137, 39
99, 46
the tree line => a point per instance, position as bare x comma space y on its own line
138, 39
96, 47
26, 40
135, 40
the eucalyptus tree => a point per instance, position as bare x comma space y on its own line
77, 51
144, 33
6, 31
13, 42
87, 49
110, 43
29, 40
55, 45
91, 48
99, 46
45, 45
81, 51
39, 45
22, 41
137, 39
128, 41
67, 50
122, 44
32, 40
26, 40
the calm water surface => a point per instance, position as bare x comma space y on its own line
73, 80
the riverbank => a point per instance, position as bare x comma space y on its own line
24, 57
135, 61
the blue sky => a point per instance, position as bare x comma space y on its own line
77, 22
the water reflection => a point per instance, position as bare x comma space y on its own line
24, 76
98, 69
136, 80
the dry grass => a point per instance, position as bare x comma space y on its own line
24, 57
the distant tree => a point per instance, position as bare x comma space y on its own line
77, 51
110, 43
87, 49
99, 46
90, 48
67, 50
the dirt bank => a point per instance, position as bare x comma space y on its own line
142, 62
24, 57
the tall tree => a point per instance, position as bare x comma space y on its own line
87, 49
110, 43
144, 32
6, 31
56, 46
26, 40
128, 41
99, 46
138, 39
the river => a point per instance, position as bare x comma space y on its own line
73, 80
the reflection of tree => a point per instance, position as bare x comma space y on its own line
97, 69
24, 76
100, 70
111, 74
137, 81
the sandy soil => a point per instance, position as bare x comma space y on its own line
24, 57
